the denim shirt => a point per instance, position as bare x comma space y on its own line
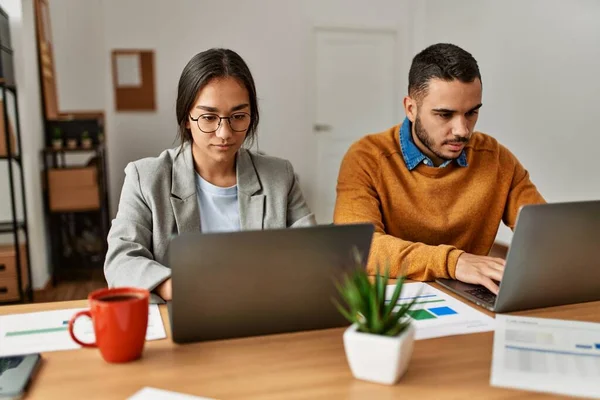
413, 156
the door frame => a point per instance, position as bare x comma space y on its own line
312, 71
351, 29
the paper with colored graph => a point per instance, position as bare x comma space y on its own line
436, 314
48, 331
547, 355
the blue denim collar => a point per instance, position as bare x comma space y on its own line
413, 156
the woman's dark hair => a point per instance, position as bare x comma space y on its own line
201, 69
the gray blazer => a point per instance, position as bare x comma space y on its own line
159, 200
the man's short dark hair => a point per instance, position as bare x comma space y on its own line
443, 61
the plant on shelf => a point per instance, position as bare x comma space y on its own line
71, 143
86, 140
379, 343
57, 139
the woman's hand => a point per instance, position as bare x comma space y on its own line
165, 290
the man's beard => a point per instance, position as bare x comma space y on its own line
424, 137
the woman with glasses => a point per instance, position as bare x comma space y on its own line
209, 183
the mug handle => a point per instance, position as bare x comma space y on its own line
72, 325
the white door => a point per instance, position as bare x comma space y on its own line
356, 94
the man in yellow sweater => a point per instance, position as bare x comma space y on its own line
435, 189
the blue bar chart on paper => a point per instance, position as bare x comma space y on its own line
436, 314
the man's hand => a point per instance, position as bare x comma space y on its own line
165, 290
480, 270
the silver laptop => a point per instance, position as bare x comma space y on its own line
554, 259
237, 284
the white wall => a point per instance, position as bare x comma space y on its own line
30, 114
77, 30
274, 37
539, 60
540, 63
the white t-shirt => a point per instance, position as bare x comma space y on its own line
219, 210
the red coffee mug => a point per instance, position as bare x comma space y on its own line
120, 319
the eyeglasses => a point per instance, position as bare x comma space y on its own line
209, 123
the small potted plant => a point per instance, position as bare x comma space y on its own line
380, 341
71, 143
86, 140
57, 140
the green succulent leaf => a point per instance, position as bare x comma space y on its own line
363, 301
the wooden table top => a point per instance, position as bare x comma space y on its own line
304, 365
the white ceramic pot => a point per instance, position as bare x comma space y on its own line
377, 358
86, 143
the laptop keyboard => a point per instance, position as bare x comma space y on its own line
483, 294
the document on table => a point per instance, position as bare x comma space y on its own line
38, 332
149, 393
547, 355
436, 314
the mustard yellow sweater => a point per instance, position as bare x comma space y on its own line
426, 218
